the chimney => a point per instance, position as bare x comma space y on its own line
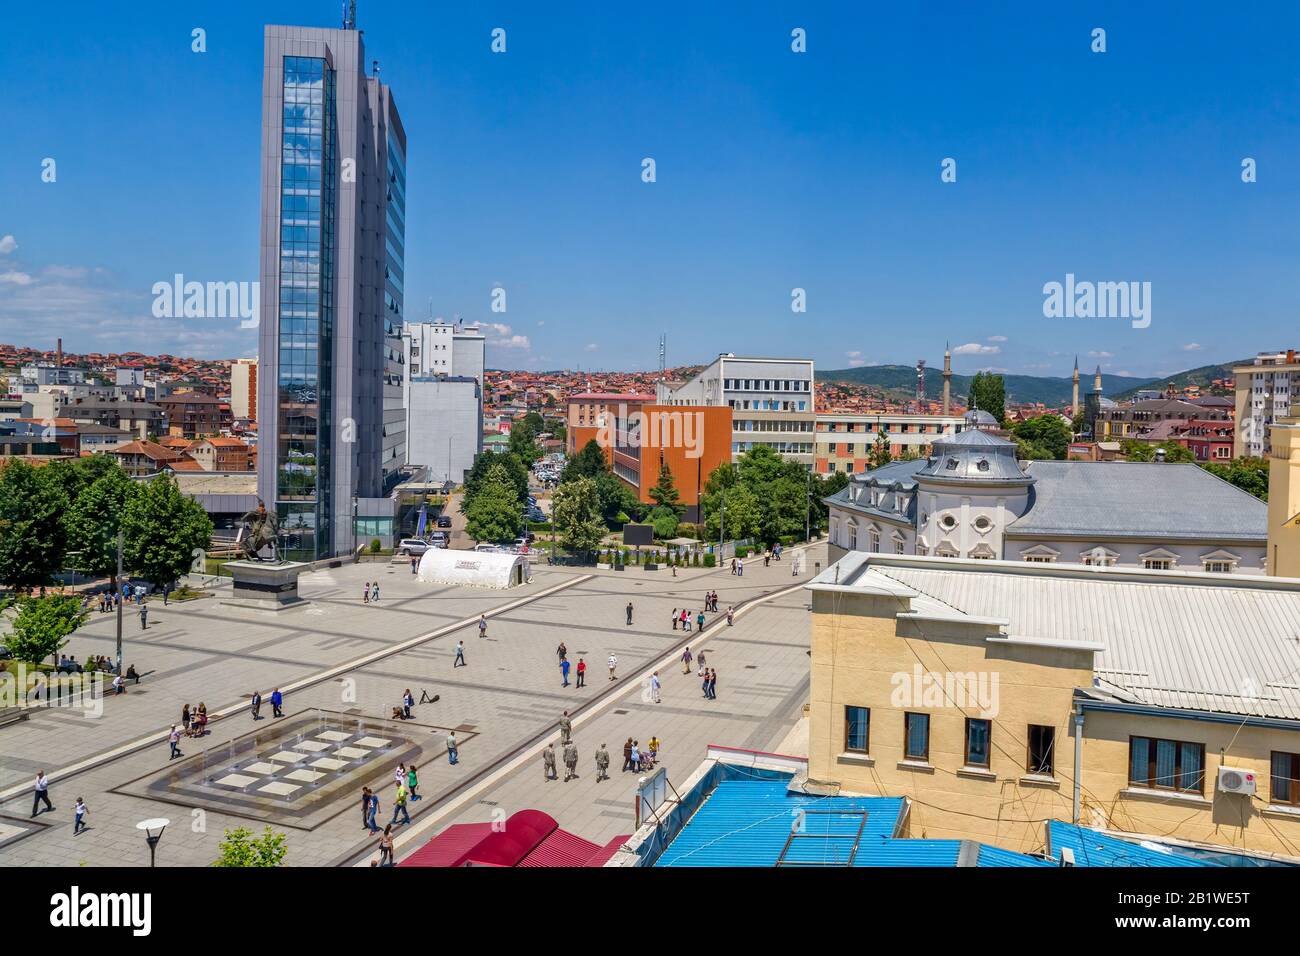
58, 354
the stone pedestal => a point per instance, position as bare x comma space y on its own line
265, 586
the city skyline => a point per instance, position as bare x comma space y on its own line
775, 171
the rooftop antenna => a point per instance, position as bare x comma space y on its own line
663, 351
920, 380
350, 15
374, 68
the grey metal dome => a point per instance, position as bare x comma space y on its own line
978, 418
974, 455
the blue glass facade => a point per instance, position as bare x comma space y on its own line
306, 307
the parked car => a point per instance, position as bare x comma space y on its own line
438, 539
444, 521
413, 546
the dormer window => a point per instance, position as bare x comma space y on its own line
952, 464
983, 464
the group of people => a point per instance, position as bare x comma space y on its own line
637, 758
100, 662
370, 592
569, 755
562, 654
277, 704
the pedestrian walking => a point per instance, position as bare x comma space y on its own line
629, 613
374, 593
674, 619
700, 661
767, 558
566, 727
731, 615
365, 593
255, 704
144, 616
386, 847
636, 756
570, 762
41, 793
713, 684
613, 664
602, 764
460, 655
185, 718
78, 816
399, 806
453, 748
412, 782
374, 812
564, 673
408, 701
740, 569
699, 621
561, 653
704, 687
654, 687
627, 756
399, 775
686, 661
365, 808
415, 566
174, 742
686, 619
482, 625
548, 763
733, 565
582, 672
277, 700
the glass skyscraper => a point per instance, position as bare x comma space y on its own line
331, 442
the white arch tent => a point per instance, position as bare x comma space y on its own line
479, 569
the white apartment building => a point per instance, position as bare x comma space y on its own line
771, 400
443, 396
1265, 390
243, 388
845, 441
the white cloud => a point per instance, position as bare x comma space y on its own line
7, 244
65, 272
540, 323
499, 328
974, 348
854, 354
856, 363
511, 342
997, 338
1192, 347
1100, 355
590, 347
14, 277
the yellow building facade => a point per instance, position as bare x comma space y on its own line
1284, 496
975, 718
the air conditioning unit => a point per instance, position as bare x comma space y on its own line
1232, 780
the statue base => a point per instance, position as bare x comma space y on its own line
264, 586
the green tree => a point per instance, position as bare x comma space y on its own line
516, 471
988, 392
879, 455
1032, 451
523, 442
575, 512
32, 539
664, 494
165, 531
1050, 432
589, 462
741, 519
93, 520
1135, 450
239, 847
665, 522
41, 626
495, 512
616, 498
1248, 474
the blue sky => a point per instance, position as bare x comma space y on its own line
775, 170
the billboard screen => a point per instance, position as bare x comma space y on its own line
635, 535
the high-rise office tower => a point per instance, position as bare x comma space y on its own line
330, 420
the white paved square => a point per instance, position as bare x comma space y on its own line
328, 763
315, 746
287, 756
306, 776
334, 736
279, 789
373, 742
236, 780
7, 831
261, 767
352, 752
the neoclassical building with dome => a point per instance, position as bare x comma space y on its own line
972, 498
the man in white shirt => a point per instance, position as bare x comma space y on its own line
613, 663
42, 792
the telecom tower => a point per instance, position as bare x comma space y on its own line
920, 380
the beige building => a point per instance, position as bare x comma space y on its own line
243, 389
998, 694
1265, 391
1284, 495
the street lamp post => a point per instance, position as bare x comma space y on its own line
118, 598
149, 826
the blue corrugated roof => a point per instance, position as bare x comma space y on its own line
747, 823
996, 856
1091, 848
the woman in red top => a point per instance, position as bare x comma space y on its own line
582, 672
